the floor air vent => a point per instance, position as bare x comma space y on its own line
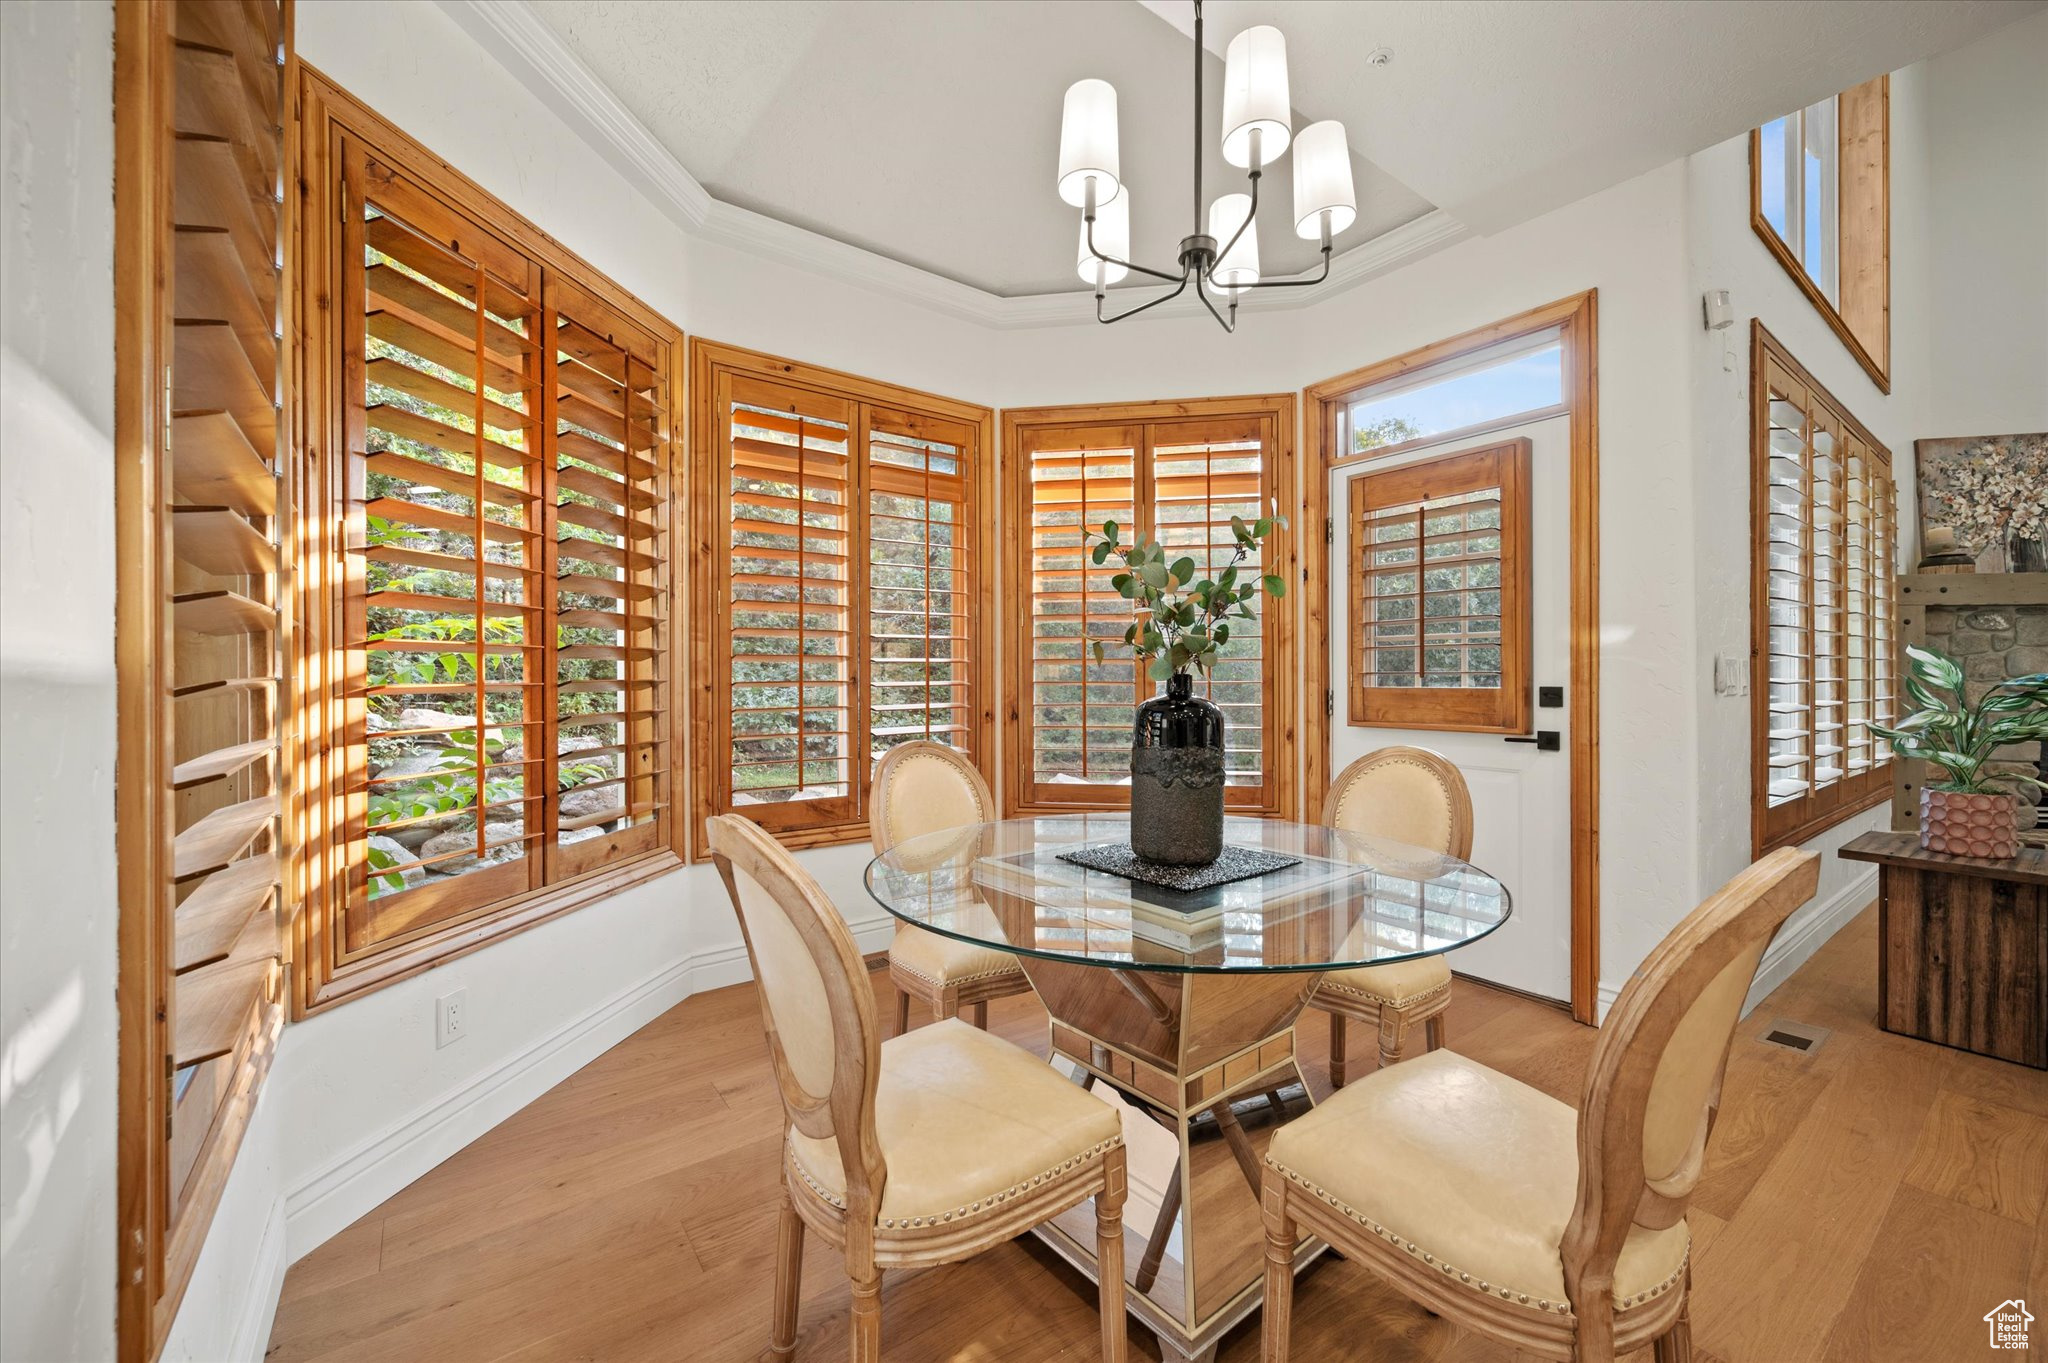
1796, 1036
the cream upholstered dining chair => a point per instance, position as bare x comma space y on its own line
923, 787
1561, 1234
923, 1150
1409, 795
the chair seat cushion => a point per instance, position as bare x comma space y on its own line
1467, 1170
943, 960
1396, 982
966, 1121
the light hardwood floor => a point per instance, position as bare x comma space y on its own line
1870, 1201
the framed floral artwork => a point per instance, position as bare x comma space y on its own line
1992, 492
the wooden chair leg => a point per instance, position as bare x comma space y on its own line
1278, 1315
867, 1320
1109, 1257
902, 1012
1162, 1230
978, 1013
1393, 1036
1433, 1033
1675, 1344
789, 1272
1336, 1050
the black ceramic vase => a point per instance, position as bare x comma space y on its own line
1177, 777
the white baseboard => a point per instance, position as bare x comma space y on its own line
1795, 947
251, 1339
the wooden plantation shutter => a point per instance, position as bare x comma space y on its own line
1179, 472
922, 577
843, 608
488, 657
790, 744
1824, 551
1081, 710
1438, 601
202, 842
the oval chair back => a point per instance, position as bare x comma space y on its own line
1654, 1084
823, 1041
922, 787
1409, 795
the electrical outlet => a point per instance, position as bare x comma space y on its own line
1731, 674
451, 1017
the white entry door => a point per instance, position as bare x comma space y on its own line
1521, 794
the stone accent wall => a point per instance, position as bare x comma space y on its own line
1994, 643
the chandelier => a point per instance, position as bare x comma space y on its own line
1257, 127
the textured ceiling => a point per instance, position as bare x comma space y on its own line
928, 132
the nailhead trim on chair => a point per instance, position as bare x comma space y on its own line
1330, 985
1504, 1293
914, 973
984, 1204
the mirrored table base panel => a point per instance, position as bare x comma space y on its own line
1203, 1069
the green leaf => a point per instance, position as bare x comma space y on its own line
1935, 668
1221, 634
1101, 552
1276, 585
1184, 570
1098, 649
1154, 575
1109, 529
1160, 669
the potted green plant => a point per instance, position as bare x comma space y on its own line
1182, 627
1974, 812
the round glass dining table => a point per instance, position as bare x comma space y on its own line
1179, 1006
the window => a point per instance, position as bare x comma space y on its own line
844, 608
1823, 604
201, 409
1496, 386
1439, 599
488, 651
1820, 198
1177, 471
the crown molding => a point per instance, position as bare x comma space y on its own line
525, 46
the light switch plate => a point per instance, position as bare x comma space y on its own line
1731, 674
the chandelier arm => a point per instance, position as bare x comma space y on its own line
1128, 265
1142, 307
1250, 217
1294, 283
1229, 326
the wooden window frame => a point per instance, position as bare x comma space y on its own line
1863, 318
202, 485
1506, 709
326, 972
1280, 796
709, 474
1798, 820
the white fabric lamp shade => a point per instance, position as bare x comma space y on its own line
1322, 180
1255, 96
1239, 265
1112, 238
1088, 143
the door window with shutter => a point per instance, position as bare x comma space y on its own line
1439, 595
1824, 548
490, 605
843, 613
1178, 472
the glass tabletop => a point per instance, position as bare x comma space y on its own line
1349, 900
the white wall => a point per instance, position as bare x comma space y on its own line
57, 901
1987, 209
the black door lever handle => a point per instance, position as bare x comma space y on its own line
1546, 740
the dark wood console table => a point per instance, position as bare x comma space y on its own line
1962, 947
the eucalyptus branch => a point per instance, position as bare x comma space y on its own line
1182, 622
